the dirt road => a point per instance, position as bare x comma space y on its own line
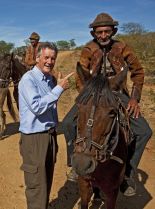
64, 194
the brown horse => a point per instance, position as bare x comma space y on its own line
11, 70
101, 146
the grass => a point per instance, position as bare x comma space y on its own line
151, 93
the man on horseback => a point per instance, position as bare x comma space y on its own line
115, 55
30, 57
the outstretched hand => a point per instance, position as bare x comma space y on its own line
63, 82
133, 108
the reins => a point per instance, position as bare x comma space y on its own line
104, 151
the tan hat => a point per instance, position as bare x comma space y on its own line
34, 36
103, 19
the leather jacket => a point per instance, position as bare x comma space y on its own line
118, 54
30, 57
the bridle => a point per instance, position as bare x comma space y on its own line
105, 151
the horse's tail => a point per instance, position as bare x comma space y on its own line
10, 106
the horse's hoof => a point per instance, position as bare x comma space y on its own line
72, 176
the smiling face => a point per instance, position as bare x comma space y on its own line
46, 60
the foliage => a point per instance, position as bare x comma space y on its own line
20, 50
133, 28
27, 42
6, 47
152, 95
144, 46
66, 45
72, 43
79, 47
150, 80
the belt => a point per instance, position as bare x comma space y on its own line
50, 131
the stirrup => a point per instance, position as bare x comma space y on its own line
72, 176
128, 187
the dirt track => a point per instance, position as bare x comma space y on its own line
64, 194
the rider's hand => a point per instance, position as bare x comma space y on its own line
63, 82
133, 108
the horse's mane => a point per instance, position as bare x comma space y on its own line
21, 68
5, 63
98, 87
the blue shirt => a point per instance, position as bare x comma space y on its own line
37, 102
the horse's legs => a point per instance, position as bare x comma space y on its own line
3, 93
110, 199
2, 122
15, 95
85, 190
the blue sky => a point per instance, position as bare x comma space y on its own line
67, 19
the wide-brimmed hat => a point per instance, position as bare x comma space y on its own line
103, 19
34, 36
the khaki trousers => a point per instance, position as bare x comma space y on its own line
39, 156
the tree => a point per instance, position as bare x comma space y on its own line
72, 43
66, 45
63, 45
20, 51
133, 28
27, 42
6, 48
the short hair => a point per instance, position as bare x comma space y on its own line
49, 45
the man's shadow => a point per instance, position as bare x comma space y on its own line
11, 129
68, 196
142, 197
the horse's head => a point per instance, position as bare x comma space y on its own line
98, 124
18, 68
5, 66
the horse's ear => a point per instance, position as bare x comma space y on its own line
81, 73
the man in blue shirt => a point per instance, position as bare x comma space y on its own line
38, 96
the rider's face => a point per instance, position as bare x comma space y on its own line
103, 33
33, 42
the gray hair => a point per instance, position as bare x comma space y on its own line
49, 45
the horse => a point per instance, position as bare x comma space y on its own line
100, 149
18, 70
11, 70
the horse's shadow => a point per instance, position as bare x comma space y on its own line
139, 201
11, 129
68, 196
142, 197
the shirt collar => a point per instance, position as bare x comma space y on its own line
41, 76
